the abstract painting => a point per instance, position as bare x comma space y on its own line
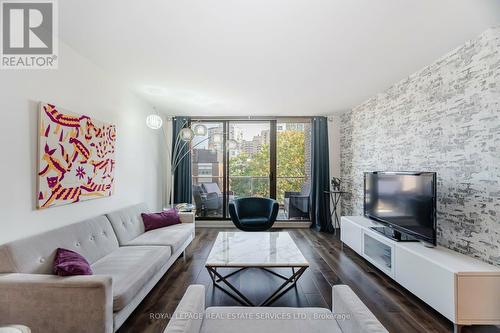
76, 157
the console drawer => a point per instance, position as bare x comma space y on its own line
478, 298
430, 282
350, 234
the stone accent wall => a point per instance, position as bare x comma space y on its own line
444, 118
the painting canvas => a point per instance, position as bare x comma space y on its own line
76, 157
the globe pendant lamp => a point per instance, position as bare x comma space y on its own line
200, 130
186, 134
154, 121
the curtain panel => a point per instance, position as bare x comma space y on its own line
320, 175
182, 175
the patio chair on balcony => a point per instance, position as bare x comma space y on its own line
206, 202
297, 203
214, 188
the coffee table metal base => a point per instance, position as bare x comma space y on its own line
220, 280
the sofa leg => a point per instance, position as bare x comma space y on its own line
184, 255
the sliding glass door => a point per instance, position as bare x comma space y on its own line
249, 159
240, 158
293, 167
208, 171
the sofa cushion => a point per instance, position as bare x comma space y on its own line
259, 319
127, 222
130, 268
93, 239
174, 236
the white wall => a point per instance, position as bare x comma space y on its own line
334, 144
167, 146
79, 86
334, 149
444, 118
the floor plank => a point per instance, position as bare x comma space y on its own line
330, 263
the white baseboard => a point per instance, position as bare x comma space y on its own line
229, 224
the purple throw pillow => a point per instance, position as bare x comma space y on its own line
68, 263
159, 220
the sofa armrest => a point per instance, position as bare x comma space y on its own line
359, 319
50, 303
188, 315
186, 217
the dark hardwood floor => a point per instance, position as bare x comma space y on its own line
330, 263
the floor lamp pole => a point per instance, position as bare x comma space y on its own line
172, 190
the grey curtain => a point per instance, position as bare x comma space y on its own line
182, 175
320, 175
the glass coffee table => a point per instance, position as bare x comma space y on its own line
262, 250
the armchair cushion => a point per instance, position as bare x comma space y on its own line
255, 224
251, 220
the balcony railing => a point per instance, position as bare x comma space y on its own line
249, 186
243, 186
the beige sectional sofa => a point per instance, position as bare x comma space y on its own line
127, 263
348, 315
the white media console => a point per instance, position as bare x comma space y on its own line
463, 289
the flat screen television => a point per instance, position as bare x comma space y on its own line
403, 201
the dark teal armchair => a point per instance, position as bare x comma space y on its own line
253, 214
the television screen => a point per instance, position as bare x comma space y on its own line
403, 200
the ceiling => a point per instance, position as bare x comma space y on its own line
267, 57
